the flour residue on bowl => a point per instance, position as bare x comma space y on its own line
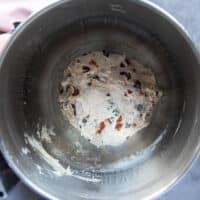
25, 150
108, 97
58, 169
44, 134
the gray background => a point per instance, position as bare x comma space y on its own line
187, 12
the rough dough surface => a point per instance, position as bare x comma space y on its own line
108, 97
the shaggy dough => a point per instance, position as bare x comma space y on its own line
108, 97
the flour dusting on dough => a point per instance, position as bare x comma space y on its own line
108, 97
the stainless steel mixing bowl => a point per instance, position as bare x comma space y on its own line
31, 68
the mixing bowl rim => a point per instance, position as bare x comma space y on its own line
148, 5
